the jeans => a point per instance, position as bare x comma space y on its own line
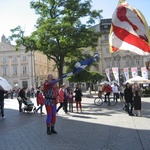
107, 97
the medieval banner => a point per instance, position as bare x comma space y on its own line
144, 72
116, 73
134, 72
108, 74
126, 73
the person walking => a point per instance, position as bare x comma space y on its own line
137, 92
61, 98
78, 98
121, 90
128, 96
51, 96
40, 100
70, 100
2, 92
21, 97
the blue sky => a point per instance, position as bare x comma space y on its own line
18, 12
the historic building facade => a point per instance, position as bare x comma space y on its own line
23, 69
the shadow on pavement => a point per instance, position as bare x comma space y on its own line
94, 129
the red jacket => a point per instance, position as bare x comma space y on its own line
40, 99
61, 95
107, 89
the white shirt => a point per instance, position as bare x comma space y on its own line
115, 89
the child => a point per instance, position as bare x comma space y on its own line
70, 100
40, 100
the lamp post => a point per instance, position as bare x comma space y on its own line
119, 71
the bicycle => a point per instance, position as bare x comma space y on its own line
98, 101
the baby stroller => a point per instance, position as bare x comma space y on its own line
28, 105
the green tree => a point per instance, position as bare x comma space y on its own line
82, 76
59, 33
94, 78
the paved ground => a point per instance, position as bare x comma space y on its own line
96, 128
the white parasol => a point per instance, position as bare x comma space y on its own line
104, 82
137, 79
5, 84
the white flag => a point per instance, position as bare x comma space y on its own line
144, 72
108, 74
126, 73
134, 72
116, 74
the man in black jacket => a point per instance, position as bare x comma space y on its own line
2, 92
21, 97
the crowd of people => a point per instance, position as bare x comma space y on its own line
50, 95
55, 98
129, 95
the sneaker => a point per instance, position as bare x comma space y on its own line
3, 117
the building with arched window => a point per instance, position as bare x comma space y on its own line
121, 59
24, 69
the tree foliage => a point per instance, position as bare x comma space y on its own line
59, 33
86, 76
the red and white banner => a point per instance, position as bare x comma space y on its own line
126, 73
129, 30
116, 73
144, 72
108, 74
134, 72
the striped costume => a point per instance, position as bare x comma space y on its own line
50, 93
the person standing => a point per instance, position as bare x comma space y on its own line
128, 96
115, 92
2, 92
32, 92
40, 100
51, 94
78, 97
121, 90
137, 92
70, 100
65, 99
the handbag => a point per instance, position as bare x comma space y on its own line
19, 98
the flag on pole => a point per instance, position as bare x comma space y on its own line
144, 72
126, 73
129, 30
79, 66
134, 72
108, 74
116, 74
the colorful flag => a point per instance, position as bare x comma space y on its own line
144, 72
116, 73
79, 66
134, 72
126, 73
108, 74
129, 30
